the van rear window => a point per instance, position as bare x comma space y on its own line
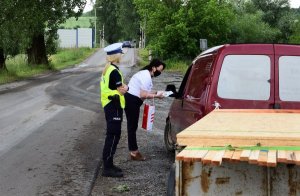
245, 77
289, 78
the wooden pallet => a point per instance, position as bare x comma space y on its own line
244, 128
268, 158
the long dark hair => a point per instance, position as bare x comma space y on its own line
154, 63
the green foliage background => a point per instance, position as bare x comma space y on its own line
81, 22
172, 28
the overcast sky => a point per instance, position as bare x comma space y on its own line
295, 3
89, 5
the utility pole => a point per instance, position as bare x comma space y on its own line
100, 38
95, 37
144, 32
103, 44
95, 26
140, 41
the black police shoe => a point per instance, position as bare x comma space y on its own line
112, 172
117, 168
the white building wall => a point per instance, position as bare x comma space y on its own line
67, 38
73, 38
85, 38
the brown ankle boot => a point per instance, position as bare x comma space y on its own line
137, 156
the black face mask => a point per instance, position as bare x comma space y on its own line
157, 73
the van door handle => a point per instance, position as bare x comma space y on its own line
276, 106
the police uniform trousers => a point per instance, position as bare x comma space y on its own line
114, 117
132, 111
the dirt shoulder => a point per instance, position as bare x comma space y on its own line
148, 177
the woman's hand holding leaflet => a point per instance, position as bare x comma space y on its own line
123, 89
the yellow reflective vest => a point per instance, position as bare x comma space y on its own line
106, 91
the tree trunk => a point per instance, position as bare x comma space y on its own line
37, 52
2, 60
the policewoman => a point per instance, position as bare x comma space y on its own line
140, 88
112, 90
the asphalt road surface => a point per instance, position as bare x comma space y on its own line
50, 142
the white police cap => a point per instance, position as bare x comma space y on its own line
113, 48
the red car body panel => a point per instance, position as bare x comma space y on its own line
186, 110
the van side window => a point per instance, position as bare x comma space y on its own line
198, 79
183, 83
245, 77
289, 78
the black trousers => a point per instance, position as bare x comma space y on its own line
132, 111
114, 117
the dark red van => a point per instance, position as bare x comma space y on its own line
240, 76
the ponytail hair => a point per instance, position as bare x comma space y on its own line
114, 58
154, 63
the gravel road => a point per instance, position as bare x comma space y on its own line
148, 177
52, 130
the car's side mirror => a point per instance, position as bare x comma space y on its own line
171, 87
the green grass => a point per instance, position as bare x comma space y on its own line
177, 65
82, 22
143, 57
68, 57
18, 68
172, 64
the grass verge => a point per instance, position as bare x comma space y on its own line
18, 69
68, 57
177, 65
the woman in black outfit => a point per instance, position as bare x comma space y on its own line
140, 88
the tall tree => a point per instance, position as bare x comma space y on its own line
108, 17
295, 36
43, 18
12, 30
127, 20
248, 24
175, 27
250, 28
273, 9
157, 20
2, 60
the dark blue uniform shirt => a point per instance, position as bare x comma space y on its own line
115, 79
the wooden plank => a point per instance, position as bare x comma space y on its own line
254, 157
258, 111
209, 156
189, 155
199, 155
217, 159
281, 156
262, 158
236, 156
242, 140
195, 155
272, 158
228, 155
245, 155
297, 157
237, 128
290, 157
180, 156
